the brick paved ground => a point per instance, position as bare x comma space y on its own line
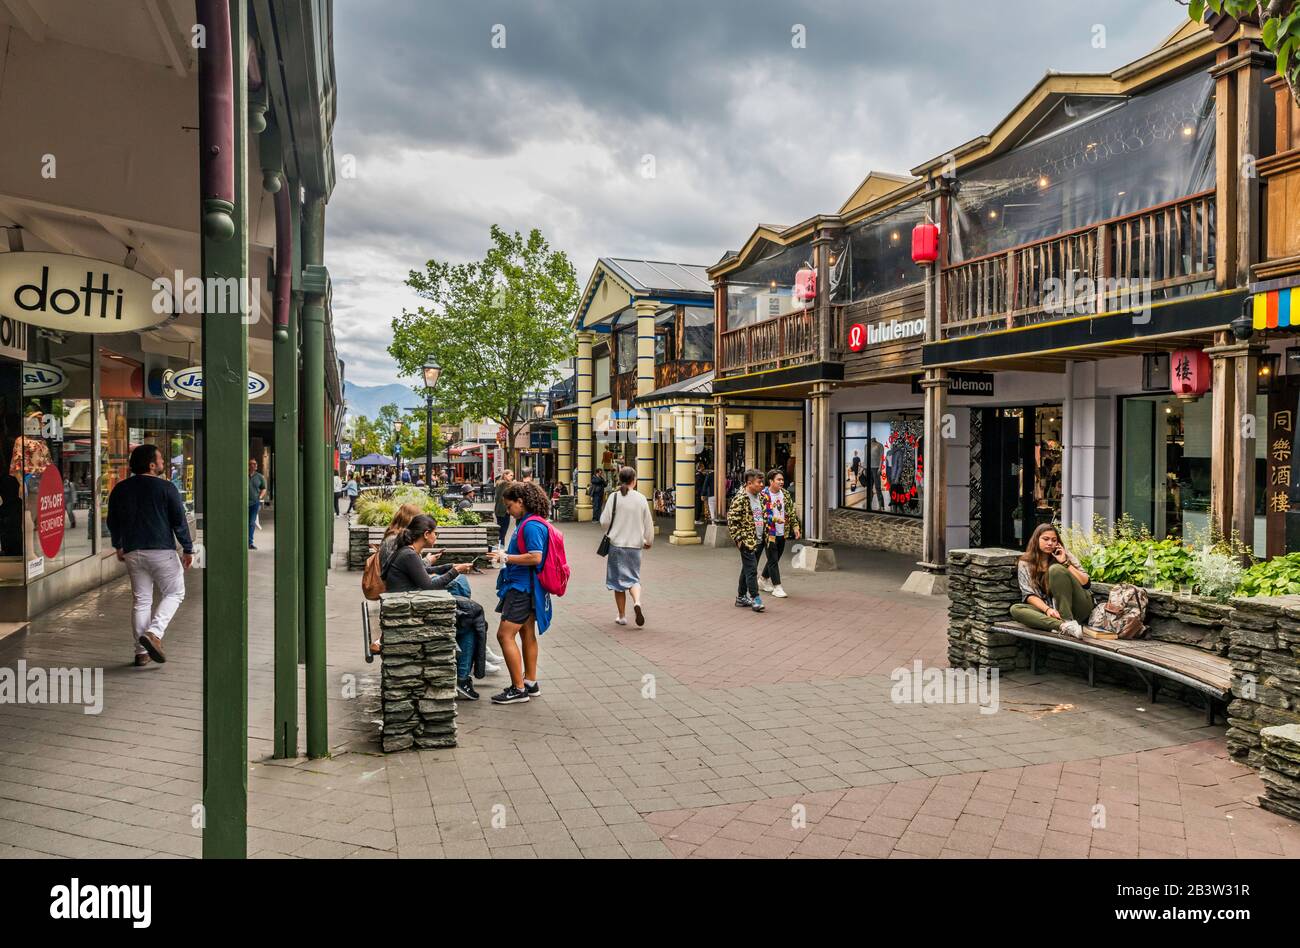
694, 736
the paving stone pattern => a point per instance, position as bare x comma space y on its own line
710, 717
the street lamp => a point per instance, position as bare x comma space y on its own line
431, 372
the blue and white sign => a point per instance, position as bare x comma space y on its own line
41, 378
190, 382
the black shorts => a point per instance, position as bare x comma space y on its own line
516, 606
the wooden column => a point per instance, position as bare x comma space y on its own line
934, 541
686, 453
1249, 427
719, 461
645, 384
564, 452
1227, 173
584, 379
1223, 442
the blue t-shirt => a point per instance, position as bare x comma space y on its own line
534, 535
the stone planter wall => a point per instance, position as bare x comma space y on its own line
982, 588
418, 679
565, 509
1264, 648
1260, 636
876, 531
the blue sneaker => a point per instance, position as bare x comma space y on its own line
758, 604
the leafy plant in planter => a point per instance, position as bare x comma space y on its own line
1216, 573
1142, 561
1279, 576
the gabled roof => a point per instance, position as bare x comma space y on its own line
618, 282
1181, 51
874, 186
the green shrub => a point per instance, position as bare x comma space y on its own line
1142, 561
1279, 576
470, 518
376, 511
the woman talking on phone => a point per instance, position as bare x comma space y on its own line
1053, 584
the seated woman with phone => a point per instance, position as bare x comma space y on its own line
1053, 584
446, 576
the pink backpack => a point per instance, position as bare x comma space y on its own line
553, 574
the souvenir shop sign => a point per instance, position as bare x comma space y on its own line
78, 294
962, 383
1281, 482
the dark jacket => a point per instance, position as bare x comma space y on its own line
147, 513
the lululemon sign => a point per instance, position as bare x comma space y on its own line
50, 512
77, 294
857, 337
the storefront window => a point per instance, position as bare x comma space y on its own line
57, 434
879, 257
625, 350
600, 376
765, 288
1165, 466
882, 457
1093, 160
13, 561
697, 337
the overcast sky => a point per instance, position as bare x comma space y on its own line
447, 134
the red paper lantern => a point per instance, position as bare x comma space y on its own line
805, 285
925, 243
1189, 373
857, 337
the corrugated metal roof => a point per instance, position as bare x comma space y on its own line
656, 276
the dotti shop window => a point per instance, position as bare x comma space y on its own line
882, 462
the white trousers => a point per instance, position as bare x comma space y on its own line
149, 568
712, 503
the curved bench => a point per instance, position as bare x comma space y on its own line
1195, 668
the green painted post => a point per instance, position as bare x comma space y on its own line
225, 507
315, 468
288, 558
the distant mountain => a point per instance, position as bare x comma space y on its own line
368, 399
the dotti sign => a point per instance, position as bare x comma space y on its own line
61, 291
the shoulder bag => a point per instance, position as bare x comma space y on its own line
603, 549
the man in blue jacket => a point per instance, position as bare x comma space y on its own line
146, 519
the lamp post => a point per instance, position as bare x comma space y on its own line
431, 372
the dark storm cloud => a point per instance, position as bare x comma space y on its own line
450, 135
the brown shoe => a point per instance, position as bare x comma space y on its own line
153, 645
141, 660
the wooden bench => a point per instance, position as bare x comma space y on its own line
1195, 668
460, 543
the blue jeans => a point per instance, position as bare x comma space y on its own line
460, 587
253, 508
464, 650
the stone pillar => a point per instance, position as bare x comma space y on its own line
686, 452
1087, 442
418, 680
818, 556
930, 579
584, 377
645, 384
564, 452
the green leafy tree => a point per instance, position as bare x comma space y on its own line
381, 435
1279, 23
496, 326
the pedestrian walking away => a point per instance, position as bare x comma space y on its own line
631, 529
146, 520
596, 491
747, 528
338, 492
256, 494
352, 489
1053, 585
779, 522
525, 607
499, 509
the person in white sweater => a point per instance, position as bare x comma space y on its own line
631, 529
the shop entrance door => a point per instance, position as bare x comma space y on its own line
1020, 473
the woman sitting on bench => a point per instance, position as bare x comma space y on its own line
1053, 584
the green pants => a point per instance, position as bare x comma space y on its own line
1072, 602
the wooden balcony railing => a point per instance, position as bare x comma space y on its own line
1118, 264
776, 343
